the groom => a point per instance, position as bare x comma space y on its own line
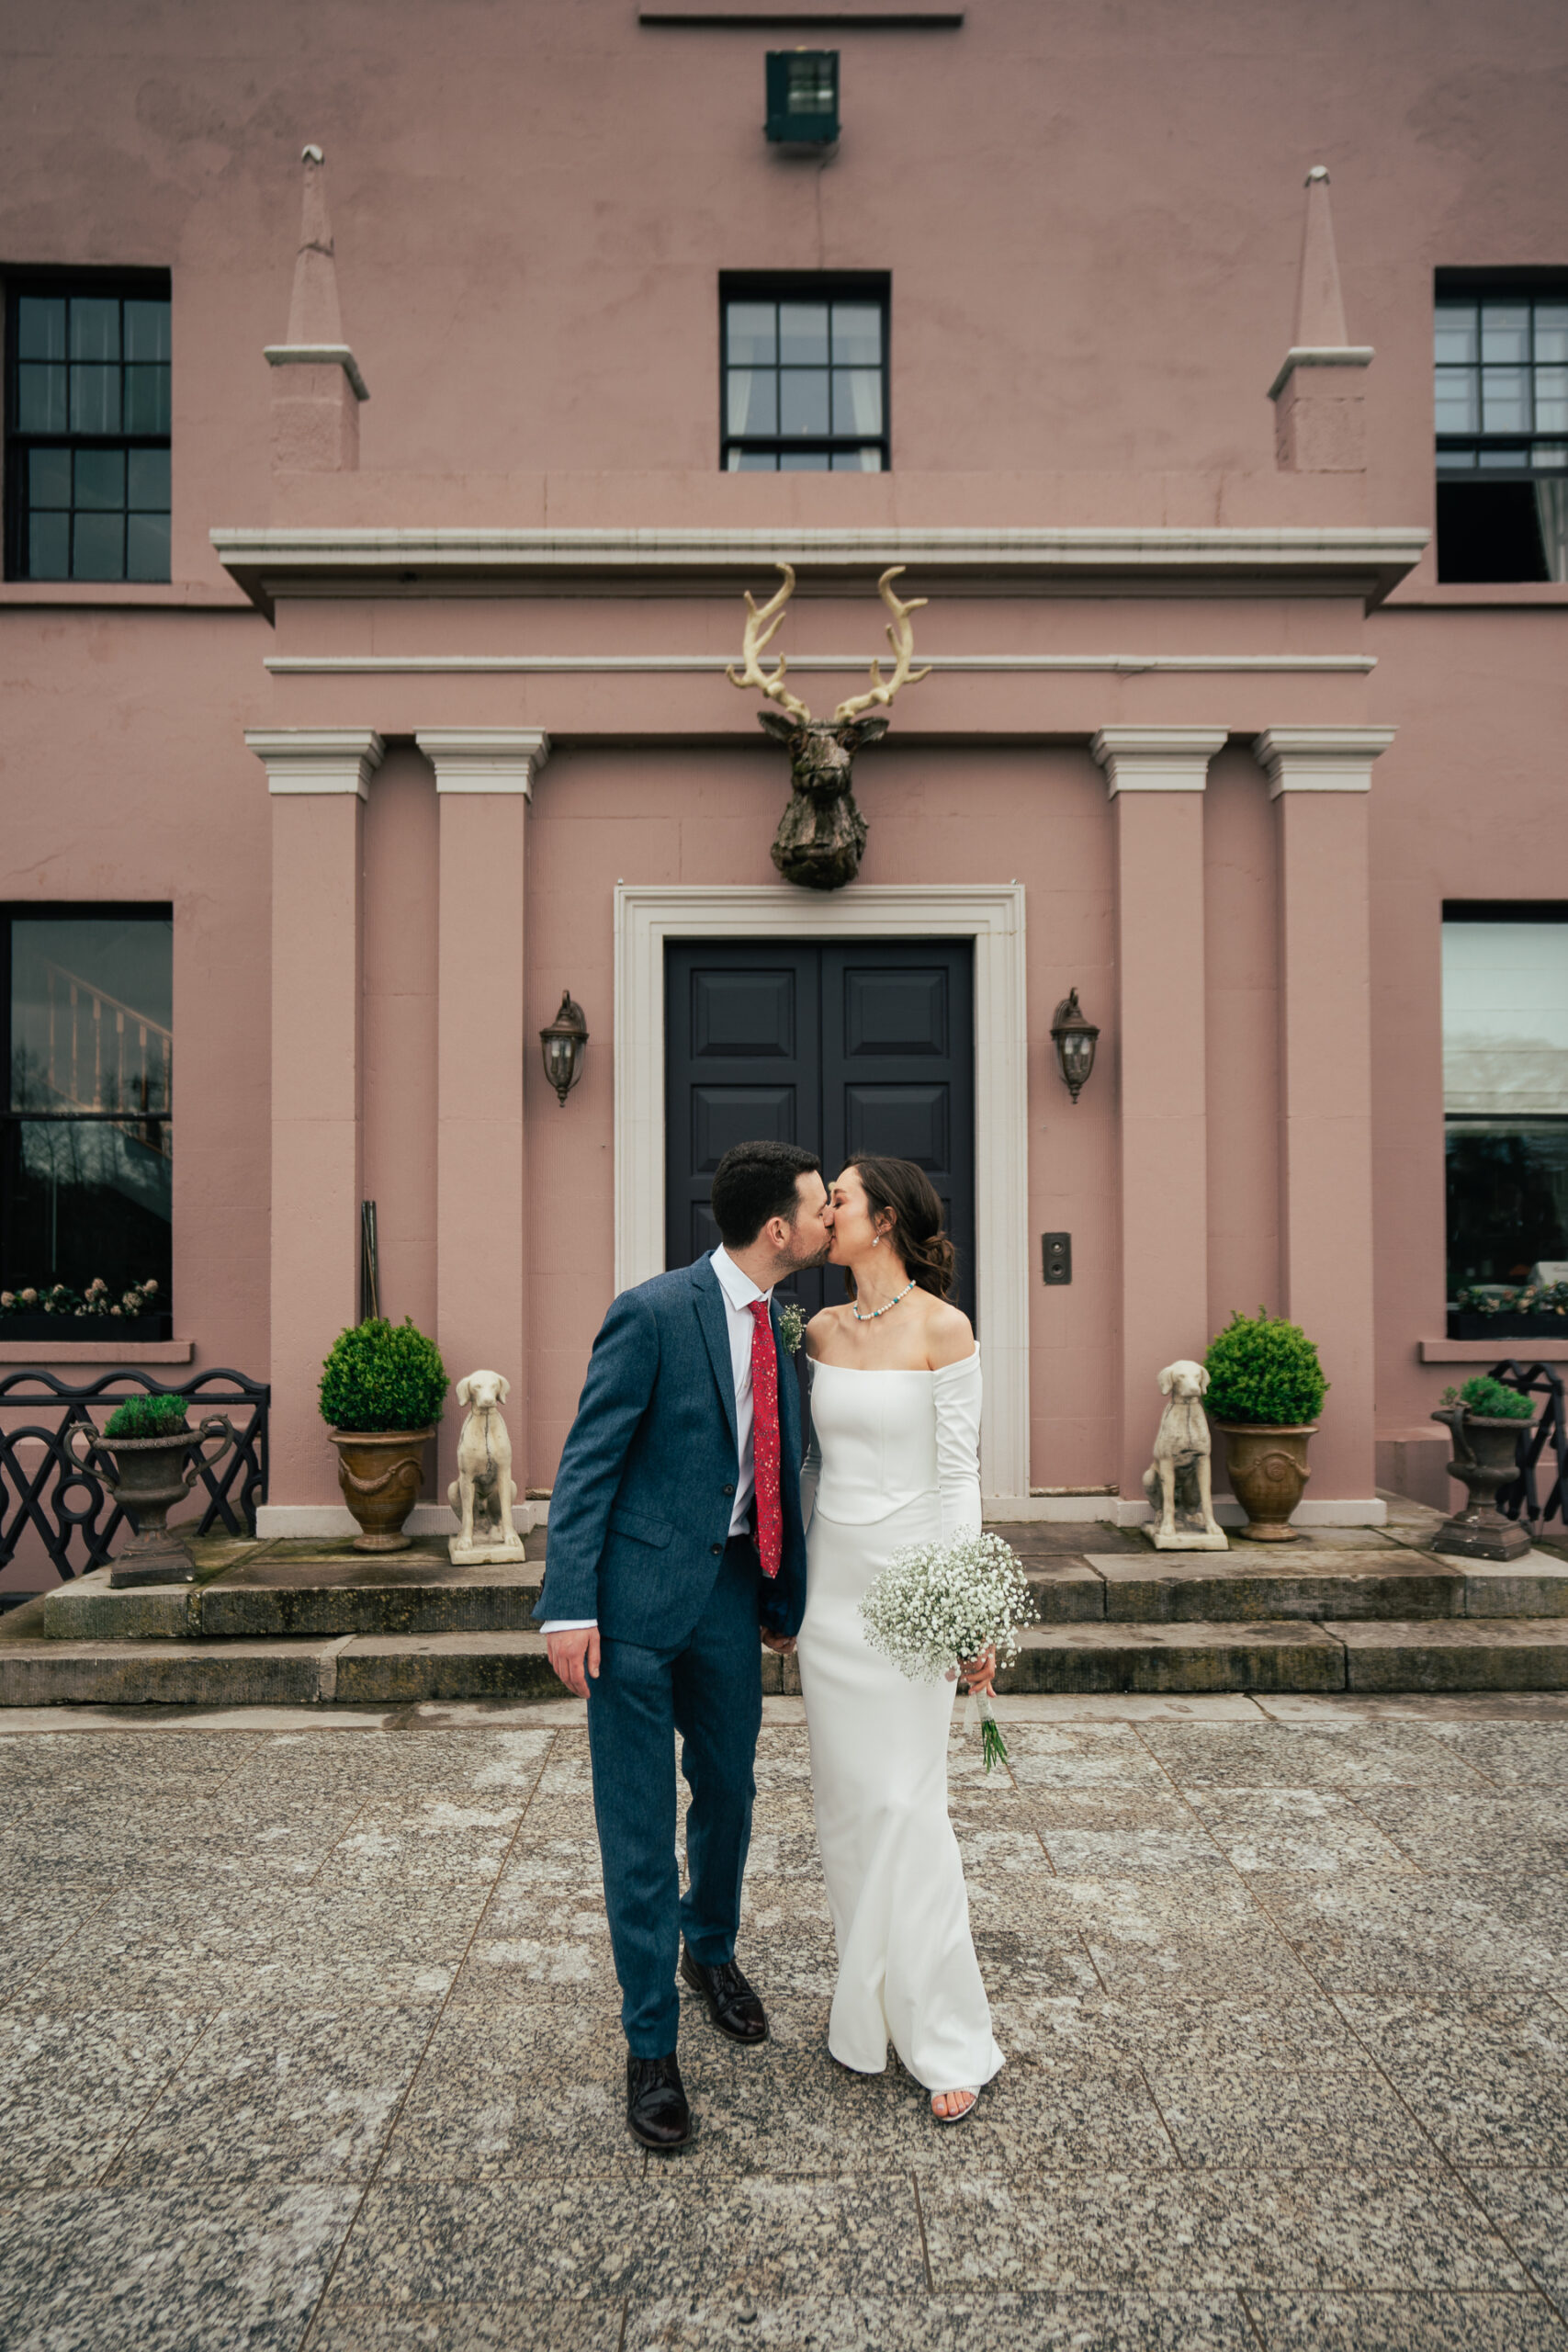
674, 1533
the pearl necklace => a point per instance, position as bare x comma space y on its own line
876, 1311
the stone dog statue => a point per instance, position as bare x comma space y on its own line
483, 1492
1178, 1481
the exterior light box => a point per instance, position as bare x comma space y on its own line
803, 97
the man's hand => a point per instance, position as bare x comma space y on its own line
782, 1644
574, 1656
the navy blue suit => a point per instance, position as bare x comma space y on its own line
639, 1540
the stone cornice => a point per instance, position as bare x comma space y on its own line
1334, 558
1319, 355
1155, 759
1320, 759
485, 759
318, 354
318, 759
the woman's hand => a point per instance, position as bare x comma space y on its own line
980, 1672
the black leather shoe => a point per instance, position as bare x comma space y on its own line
657, 2113
732, 2005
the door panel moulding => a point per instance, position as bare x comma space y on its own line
990, 915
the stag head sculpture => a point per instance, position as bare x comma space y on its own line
821, 835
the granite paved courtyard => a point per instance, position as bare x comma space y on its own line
308, 2037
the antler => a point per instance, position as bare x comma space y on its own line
901, 638
755, 641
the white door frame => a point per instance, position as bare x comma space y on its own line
992, 916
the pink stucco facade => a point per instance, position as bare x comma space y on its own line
1198, 691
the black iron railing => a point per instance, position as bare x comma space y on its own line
1546, 1435
43, 1487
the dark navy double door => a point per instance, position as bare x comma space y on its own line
864, 1046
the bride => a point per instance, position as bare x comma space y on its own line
896, 1412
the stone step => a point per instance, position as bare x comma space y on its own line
370, 1670
290, 1591
1195, 1657
295, 1592
1471, 1654
1255, 1581
406, 1594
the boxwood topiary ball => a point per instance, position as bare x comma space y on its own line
1264, 1371
382, 1377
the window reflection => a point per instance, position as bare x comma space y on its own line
87, 1139
806, 385
1506, 1093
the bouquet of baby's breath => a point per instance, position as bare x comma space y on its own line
936, 1604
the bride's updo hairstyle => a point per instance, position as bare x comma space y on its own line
916, 1236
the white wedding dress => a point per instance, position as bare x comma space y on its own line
894, 1460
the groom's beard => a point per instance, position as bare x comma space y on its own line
803, 1265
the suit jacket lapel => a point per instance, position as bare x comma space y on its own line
713, 1317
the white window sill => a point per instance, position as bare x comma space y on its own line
1492, 1351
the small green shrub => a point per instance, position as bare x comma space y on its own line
1489, 1400
382, 1377
1264, 1370
147, 1417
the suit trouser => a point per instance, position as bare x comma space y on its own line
710, 1692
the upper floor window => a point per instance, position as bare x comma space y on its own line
88, 429
86, 1129
805, 375
1501, 419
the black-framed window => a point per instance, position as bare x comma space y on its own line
1500, 403
88, 426
87, 1131
804, 366
1505, 1089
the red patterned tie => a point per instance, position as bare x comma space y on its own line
765, 1437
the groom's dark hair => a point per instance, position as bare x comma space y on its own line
753, 1183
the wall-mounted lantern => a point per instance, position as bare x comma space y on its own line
803, 97
562, 1042
1074, 1037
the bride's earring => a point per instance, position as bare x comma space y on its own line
877, 1242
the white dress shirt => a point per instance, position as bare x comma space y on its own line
738, 1291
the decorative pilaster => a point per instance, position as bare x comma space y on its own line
316, 397
484, 780
1156, 776
318, 779
1319, 424
1319, 778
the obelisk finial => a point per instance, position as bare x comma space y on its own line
1320, 306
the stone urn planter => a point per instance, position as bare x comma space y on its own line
147, 1476
380, 1472
1485, 1458
382, 1388
1268, 1472
1266, 1391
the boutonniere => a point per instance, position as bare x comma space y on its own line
792, 1327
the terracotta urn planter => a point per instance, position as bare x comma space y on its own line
1268, 1469
380, 1472
147, 1476
1485, 1457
